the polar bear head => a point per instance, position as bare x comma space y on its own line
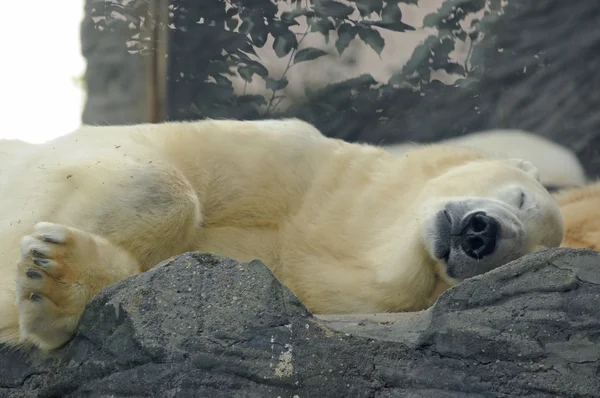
486, 213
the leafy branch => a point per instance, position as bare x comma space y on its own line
214, 41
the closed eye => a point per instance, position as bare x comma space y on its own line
522, 200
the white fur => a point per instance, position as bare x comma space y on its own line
558, 165
347, 227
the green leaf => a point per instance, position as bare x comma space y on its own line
276, 85
391, 19
441, 51
232, 24
290, 16
346, 33
391, 13
421, 54
371, 37
330, 8
258, 68
398, 26
251, 68
278, 28
367, 7
450, 7
245, 73
230, 13
284, 43
245, 27
221, 80
321, 25
431, 20
259, 36
308, 54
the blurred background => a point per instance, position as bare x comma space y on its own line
377, 71
41, 84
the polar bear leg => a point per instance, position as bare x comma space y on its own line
61, 267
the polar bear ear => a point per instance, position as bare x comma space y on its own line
526, 166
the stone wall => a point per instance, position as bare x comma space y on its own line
116, 79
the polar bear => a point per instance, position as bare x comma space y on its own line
560, 171
558, 166
580, 208
348, 228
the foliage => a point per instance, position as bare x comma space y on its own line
118, 16
213, 41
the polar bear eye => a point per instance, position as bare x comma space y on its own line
522, 200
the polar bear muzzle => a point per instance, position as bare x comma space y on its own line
478, 234
473, 236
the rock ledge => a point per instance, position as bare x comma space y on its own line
199, 325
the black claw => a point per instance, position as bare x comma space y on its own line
37, 253
41, 262
35, 297
33, 274
49, 239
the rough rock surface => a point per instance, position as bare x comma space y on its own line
201, 326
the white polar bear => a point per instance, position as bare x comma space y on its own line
558, 166
347, 227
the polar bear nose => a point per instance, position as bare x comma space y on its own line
479, 235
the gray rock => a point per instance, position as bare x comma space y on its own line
198, 325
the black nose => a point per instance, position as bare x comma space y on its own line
479, 235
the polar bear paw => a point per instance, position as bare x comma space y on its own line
60, 269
